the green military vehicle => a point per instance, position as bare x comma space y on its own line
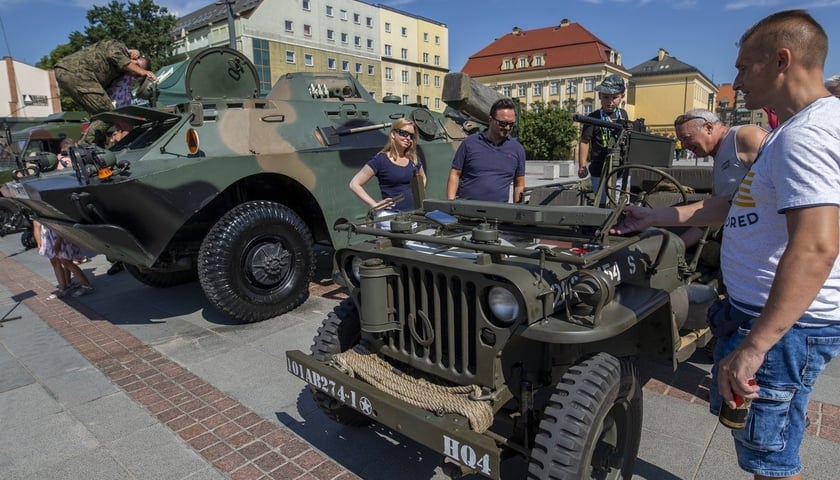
487, 331
30, 145
231, 187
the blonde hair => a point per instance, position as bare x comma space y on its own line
390, 148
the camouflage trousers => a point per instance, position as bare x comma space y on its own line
90, 95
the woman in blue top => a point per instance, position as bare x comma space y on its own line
394, 167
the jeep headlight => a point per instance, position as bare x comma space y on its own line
503, 305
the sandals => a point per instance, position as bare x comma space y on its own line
82, 291
60, 293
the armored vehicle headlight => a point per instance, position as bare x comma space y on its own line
503, 304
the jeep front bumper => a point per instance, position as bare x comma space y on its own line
449, 435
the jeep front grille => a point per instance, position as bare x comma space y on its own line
433, 313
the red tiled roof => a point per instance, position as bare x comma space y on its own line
562, 47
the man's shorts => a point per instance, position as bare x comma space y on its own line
769, 444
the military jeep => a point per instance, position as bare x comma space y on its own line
486, 331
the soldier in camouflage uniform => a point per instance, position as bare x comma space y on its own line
86, 74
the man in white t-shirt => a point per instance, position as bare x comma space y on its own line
780, 245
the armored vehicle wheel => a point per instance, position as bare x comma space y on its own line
592, 424
340, 331
157, 279
257, 261
640, 198
27, 239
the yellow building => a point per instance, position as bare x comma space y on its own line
665, 88
414, 57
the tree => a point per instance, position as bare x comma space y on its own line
143, 25
547, 131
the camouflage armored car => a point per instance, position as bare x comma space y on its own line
486, 331
232, 187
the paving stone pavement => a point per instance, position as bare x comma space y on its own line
132, 382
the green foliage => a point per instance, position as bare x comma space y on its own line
547, 132
142, 25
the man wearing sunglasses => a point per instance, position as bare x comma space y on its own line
595, 141
488, 162
734, 150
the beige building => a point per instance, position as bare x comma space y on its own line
560, 64
283, 36
414, 57
27, 91
665, 88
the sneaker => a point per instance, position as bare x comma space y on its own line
82, 291
116, 268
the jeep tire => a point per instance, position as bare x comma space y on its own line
257, 261
339, 332
592, 424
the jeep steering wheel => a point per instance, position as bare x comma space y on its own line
639, 198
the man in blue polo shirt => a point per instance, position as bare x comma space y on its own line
487, 162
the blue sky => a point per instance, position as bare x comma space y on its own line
700, 33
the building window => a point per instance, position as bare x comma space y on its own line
554, 88
329, 11
425, 37
507, 65
437, 80
331, 35
538, 89
305, 5
357, 41
331, 63
426, 79
571, 86
307, 30
437, 104
404, 53
358, 68
371, 70
587, 109
426, 101
437, 40
538, 60
262, 62
290, 56
425, 58
387, 50
342, 14
437, 59
357, 19
506, 90
289, 26
343, 38
369, 22
589, 85
308, 60
387, 27
370, 44
405, 99
523, 62
389, 73
521, 91
404, 76
345, 66
404, 31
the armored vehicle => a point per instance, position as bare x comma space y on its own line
30, 144
486, 331
232, 187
